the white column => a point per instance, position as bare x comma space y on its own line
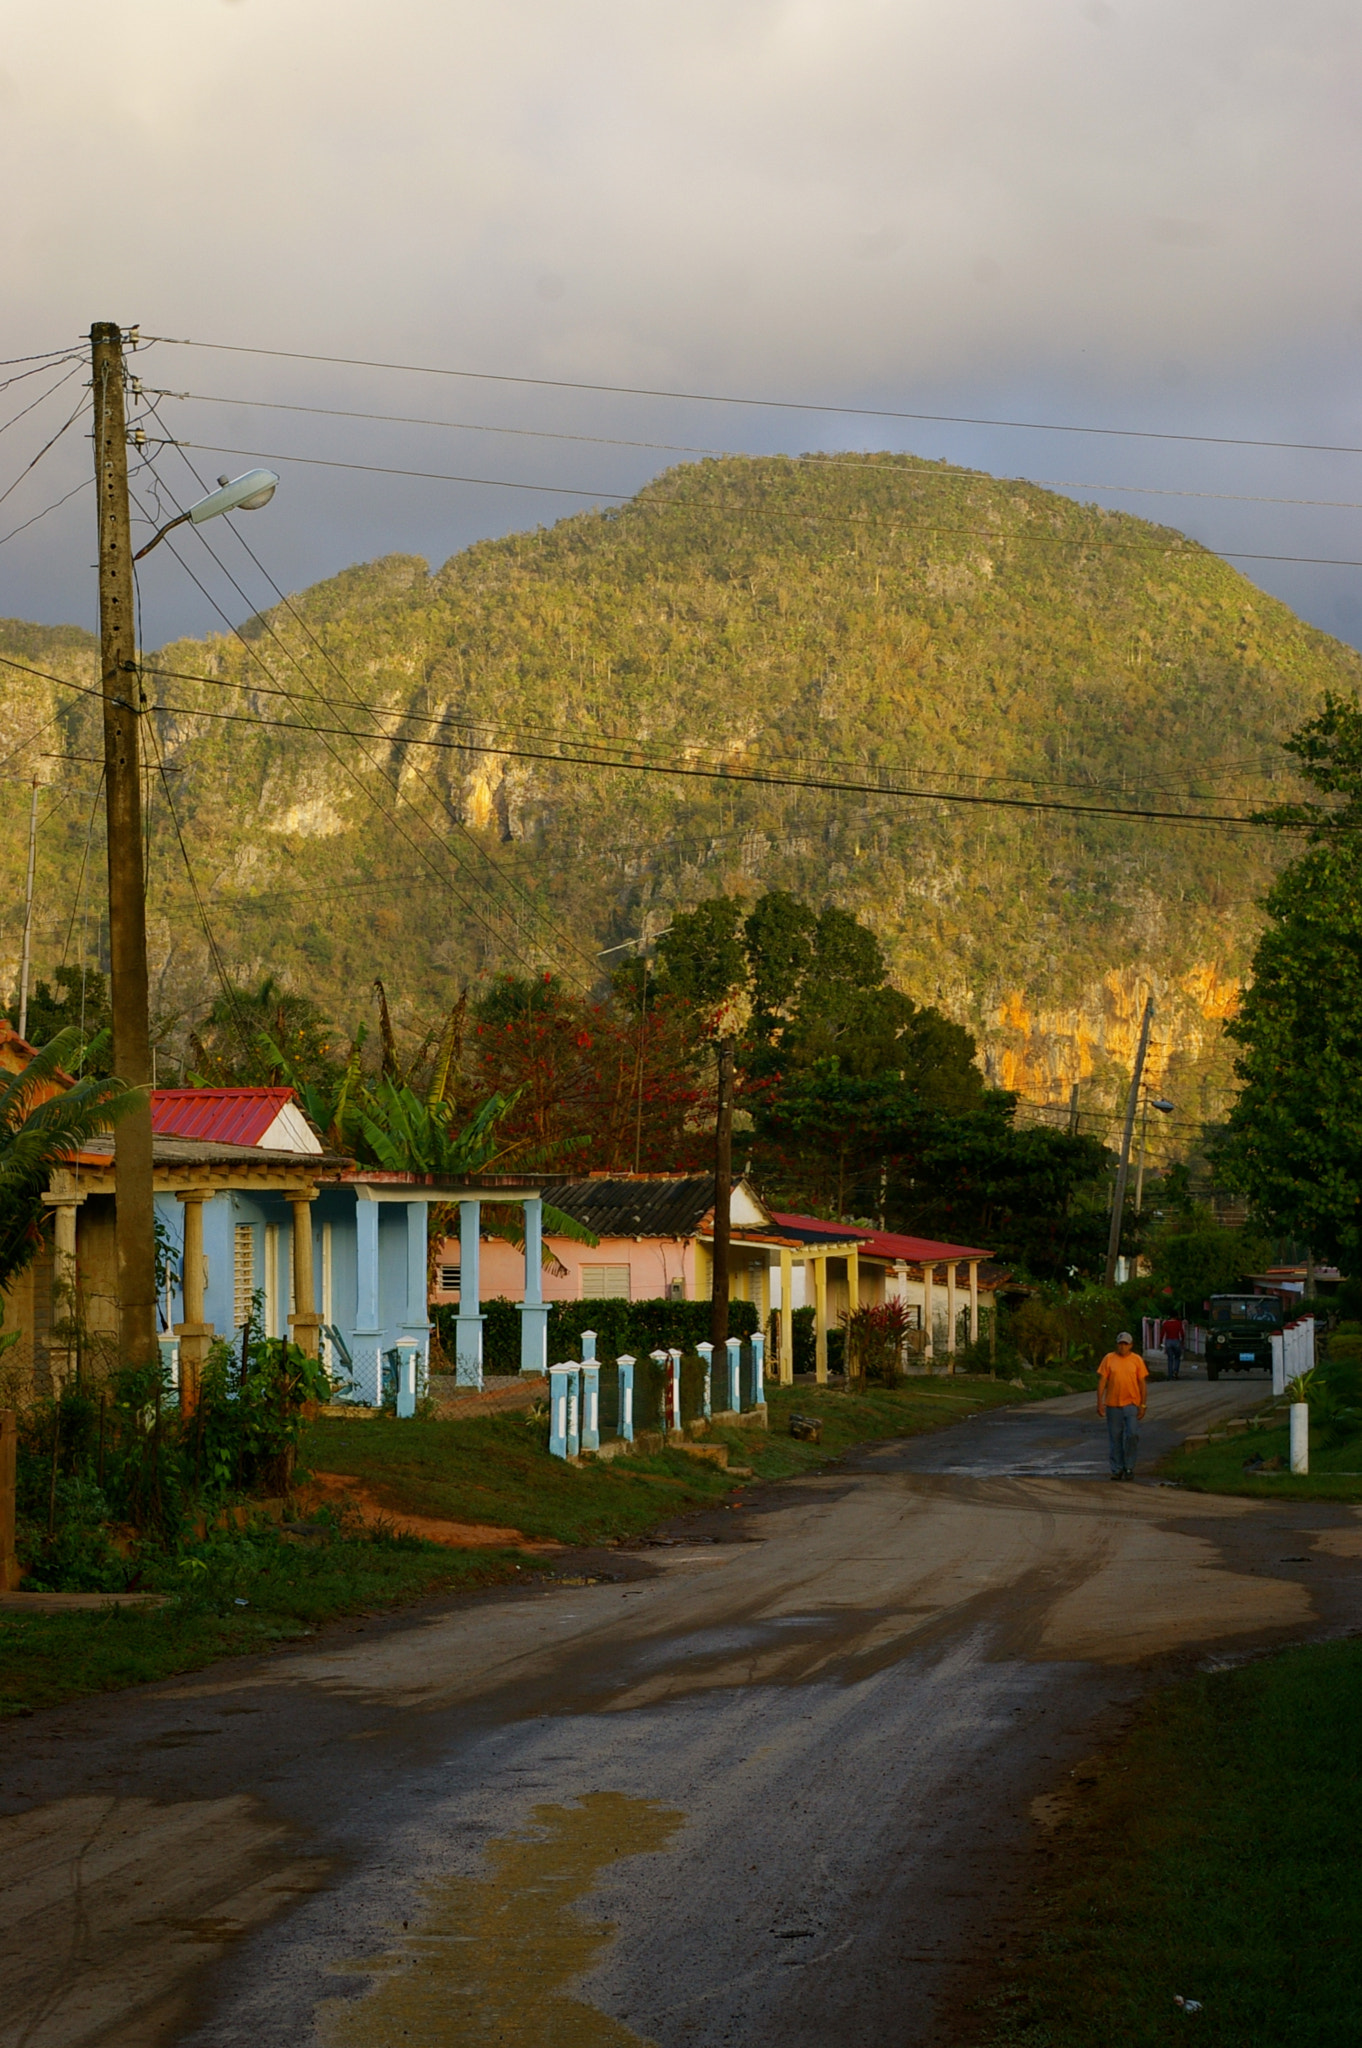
785, 1362
928, 1276
974, 1301
534, 1313
367, 1349
416, 1320
468, 1326
952, 1313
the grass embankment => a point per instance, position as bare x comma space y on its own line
1335, 1469
491, 1470
1214, 1858
231, 1596
494, 1470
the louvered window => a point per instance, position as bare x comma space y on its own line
600, 1283
449, 1279
243, 1275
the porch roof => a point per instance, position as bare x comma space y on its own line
877, 1244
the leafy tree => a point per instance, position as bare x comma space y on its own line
44, 1118
1293, 1142
701, 959
251, 1036
589, 1084
80, 1003
1195, 1256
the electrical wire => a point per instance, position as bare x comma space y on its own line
772, 780
84, 859
562, 938
34, 403
635, 745
56, 504
998, 538
47, 445
928, 472
767, 404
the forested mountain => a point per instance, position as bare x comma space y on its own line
844, 619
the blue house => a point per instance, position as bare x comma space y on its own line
251, 1205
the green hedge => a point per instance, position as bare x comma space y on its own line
636, 1327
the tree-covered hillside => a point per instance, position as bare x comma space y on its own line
850, 619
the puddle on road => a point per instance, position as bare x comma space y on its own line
488, 1962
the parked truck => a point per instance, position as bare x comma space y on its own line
1239, 1332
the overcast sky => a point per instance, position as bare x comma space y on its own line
1133, 213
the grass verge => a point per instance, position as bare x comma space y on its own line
1335, 1469
1214, 1858
229, 1597
492, 1469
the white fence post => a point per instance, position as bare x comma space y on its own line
625, 1426
591, 1405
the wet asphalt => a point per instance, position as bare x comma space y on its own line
767, 1784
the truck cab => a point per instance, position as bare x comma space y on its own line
1239, 1332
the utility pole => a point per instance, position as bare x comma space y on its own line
134, 1215
28, 913
723, 1194
1123, 1170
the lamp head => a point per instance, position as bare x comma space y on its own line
246, 493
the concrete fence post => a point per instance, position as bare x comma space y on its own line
626, 1417
659, 1359
733, 1397
706, 1352
591, 1405
758, 1369
563, 1381
588, 1346
674, 1386
1300, 1436
1278, 1342
407, 1352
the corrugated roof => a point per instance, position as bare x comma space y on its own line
882, 1244
642, 1207
223, 1116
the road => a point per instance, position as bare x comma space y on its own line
772, 1783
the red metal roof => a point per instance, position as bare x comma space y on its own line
884, 1244
226, 1116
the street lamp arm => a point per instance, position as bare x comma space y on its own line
246, 493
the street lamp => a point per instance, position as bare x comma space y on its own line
245, 493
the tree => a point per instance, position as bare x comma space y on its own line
1194, 1256
44, 1117
1293, 1141
80, 1003
251, 1037
590, 1084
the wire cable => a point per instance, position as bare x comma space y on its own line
47, 445
33, 404
874, 412
928, 472
997, 537
55, 506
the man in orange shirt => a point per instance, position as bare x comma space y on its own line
1121, 1381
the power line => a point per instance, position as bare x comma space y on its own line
998, 538
928, 472
562, 937
55, 506
33, 404
874, 412
44, 449
319, 732
629, 741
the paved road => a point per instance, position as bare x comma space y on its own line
769, 1787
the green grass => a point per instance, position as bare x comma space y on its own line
1335, 1470
495, 1469
289, 1589
1215, 1858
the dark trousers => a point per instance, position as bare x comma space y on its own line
1172, 1352
1123, 1437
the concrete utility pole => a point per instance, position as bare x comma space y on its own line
134, 1217
1123, 1170
723, 1195
28, 913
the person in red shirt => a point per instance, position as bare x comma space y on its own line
1121, 1380
1173, 1334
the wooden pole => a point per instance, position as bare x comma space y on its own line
9, 1451
27, 953
723, 1196
134, 1214
1123, 1170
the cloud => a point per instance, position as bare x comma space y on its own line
962, 203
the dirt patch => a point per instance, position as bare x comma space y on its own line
333, 1489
